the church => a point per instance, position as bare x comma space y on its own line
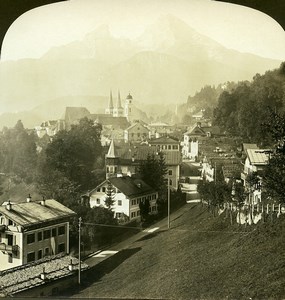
118, 110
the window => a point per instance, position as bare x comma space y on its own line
40, 254
10, 222
170, 172
98, 190
46, 251
97, 201
30, 238
47, 234
138, 213
175, 147
61, 247
119, 202
133, 214
103, 189
169, 147
40, 236
10, 258
107, 169
118, 215
31, 257
53, 232
170, 182
9, 239
61, 230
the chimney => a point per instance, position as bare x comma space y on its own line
70, 266
43, 202
29, 198
43, 274
9, 205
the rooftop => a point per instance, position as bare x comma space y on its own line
29, 213
163, 140
130, 186
24, 277
257, 156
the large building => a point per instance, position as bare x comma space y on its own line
32, 230
118, 110
125, 159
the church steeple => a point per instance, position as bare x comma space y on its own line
119, 104
118, 110
111, 161
110, 109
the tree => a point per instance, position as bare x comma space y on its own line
273, 180
109, 198
153, 172
18, 154
76, 153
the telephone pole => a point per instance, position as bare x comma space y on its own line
168, 203
79, 251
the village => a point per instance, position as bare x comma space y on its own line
35, 234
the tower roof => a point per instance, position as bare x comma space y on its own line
111, 152
111, 105
119, 104
129, 96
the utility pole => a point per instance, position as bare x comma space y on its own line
79, 251
168, 202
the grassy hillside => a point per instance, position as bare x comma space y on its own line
201, 257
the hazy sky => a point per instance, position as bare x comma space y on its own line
233, 26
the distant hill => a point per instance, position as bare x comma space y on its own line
168, 62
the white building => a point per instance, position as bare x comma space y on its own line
256, 160
32, 230
128, 192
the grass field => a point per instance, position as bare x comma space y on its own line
201, 257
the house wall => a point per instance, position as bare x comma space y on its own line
173, 174
19, 238
47, 246
122, 204
136, 133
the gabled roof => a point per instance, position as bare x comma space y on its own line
129, 186
257, 156
246, 146
30, 213
129, 154
109, 120
195, 130
139, 123
75, 113
163, 140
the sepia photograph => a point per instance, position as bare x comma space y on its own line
142, 149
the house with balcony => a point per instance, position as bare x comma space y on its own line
127, 193
32, 230
255, 162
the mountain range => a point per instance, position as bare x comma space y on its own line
168, 62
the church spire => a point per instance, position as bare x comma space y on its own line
111, 152
111, 106
119, 104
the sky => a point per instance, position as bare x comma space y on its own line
235, 27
